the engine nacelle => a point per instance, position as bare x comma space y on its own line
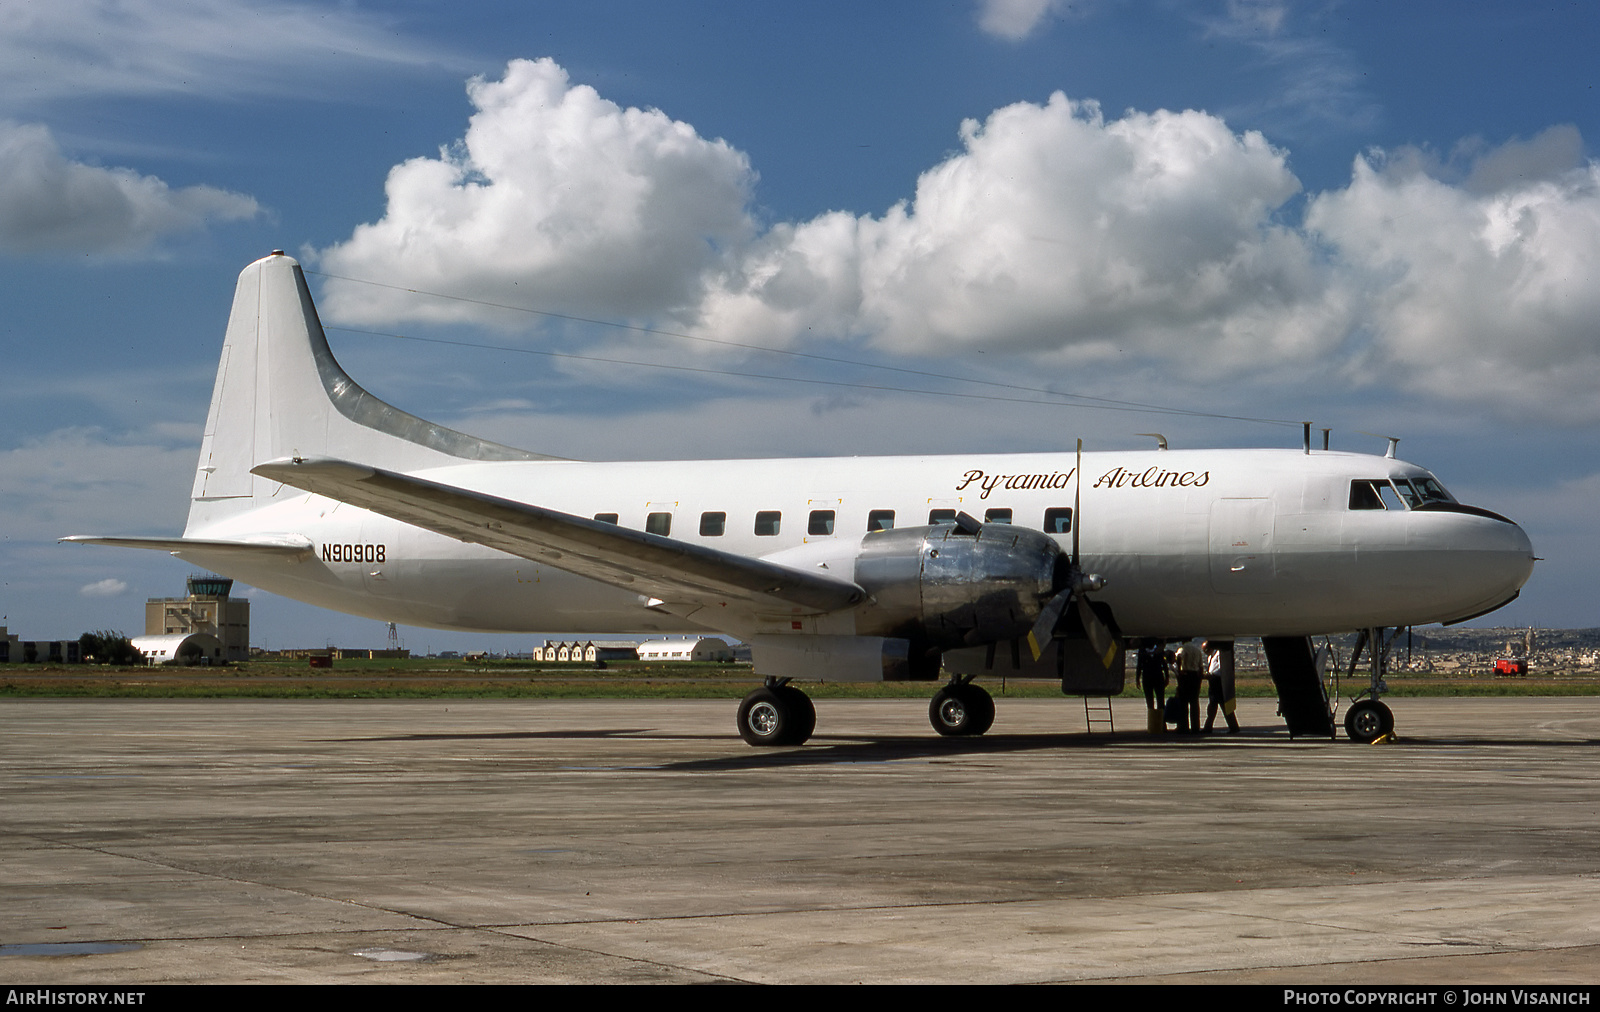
941, 587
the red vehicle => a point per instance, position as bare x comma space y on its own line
1507, 667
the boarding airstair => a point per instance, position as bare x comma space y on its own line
1302, 697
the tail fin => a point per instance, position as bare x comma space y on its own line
280, 393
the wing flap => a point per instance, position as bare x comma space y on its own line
649, 564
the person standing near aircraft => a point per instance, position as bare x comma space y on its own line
1219, 687
1190, 664
1151, 675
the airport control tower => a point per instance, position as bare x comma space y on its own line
208, 609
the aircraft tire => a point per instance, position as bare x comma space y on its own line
805, 715
1367, 721
776, 716
961, 710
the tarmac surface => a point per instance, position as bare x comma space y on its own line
642, 841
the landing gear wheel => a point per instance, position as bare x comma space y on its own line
776, 715
805, 715
961, 708
1367, 721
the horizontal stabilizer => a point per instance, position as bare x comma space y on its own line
651, 565
260, 544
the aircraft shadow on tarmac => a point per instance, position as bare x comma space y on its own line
898, 748
860, 749
844, 749
618, 732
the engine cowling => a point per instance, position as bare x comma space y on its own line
943, 586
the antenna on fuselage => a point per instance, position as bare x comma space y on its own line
1394, 442
1161, 441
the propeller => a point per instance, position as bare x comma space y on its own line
1078, 586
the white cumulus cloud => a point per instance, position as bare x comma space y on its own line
1056, 230
49, 203
109, 587
1164, 240
555, 197
1487, 292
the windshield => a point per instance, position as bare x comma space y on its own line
1431, 491
1398, 493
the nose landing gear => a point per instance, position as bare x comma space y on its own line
1368, 719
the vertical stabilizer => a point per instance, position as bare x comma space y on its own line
280, 393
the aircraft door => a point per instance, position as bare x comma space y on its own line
1241, 546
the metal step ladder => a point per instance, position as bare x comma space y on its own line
1097, 710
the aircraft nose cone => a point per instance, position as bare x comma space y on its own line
1505, 558
1519, 556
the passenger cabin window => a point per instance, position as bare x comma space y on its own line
941, 516
997, 516
606, 518
1058, 520
767, 522
820, 523
658, 523
880, 520
712, 525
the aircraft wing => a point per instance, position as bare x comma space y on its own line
672, 573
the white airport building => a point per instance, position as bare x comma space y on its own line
686, 648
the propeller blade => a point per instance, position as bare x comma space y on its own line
1100, 637
1045, 627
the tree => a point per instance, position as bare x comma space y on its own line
107, 647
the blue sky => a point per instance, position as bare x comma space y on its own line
1382, 218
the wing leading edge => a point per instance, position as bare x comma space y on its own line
673, 573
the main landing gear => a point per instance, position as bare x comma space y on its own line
961, 708
777, 714
780, 714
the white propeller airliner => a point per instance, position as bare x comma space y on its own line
853, 568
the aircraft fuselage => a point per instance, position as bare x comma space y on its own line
1191, 542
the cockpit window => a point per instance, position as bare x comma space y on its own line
1430, 490
1412, 497
1396, 493
1364, 496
